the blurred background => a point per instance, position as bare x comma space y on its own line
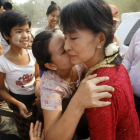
36, 9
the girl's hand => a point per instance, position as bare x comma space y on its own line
23, 110
89, 94
35, 132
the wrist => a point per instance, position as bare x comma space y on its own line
77, 104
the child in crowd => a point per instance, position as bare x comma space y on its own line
18, 68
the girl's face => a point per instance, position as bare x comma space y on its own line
29, 47
20, 36
59, 56
53, 18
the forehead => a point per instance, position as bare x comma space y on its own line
55, 12
25, 26
56, 42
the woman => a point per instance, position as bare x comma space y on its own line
58, 83
52, 16
88, 35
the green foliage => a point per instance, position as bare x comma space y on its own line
36, 9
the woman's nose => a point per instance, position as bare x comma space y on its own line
67, 45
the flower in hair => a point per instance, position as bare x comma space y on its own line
111, 49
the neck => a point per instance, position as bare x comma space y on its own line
94, 60
65, 74
15, 51
49, 27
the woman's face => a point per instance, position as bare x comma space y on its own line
53, 18
81, 46
59, 57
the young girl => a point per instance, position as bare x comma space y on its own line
59, 82
17, 68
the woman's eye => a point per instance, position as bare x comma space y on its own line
73, 38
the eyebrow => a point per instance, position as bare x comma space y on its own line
71, 31
20, 29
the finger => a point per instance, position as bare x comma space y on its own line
29, 114
1, 7
42, 135
98, 80
104, 88
36, 128
102, 95
103, 103
39, 128
31, 132
89, 77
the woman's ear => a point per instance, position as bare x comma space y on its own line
50, 66
102, 38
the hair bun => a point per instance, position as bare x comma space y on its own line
52, 2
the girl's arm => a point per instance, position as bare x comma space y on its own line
88, 95
37, 81
6, 96
1, 52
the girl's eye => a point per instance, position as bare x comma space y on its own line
63, 52
18, 32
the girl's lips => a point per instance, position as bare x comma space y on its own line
71, 56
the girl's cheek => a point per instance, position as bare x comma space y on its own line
16, 39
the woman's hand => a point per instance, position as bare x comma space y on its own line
23, 110
35, 132
89, 94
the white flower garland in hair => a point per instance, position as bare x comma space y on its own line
111, 49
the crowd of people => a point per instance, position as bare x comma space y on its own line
69, 82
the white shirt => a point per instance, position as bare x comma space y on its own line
132, 62
5, 45
20, 79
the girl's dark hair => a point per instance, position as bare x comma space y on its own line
91, 14
40, 48
53, 6
10, 19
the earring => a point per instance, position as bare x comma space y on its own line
99, 46
55, 68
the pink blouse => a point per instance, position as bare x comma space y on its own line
53, 89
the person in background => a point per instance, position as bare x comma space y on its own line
132, 63
53, 20
52, 16
19, 69
115, 14
87, 25
29, 47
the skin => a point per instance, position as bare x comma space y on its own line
52, 20
54, 120
81, 46
30, 42
1, 52
19, 56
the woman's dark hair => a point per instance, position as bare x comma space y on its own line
91, 14
53, 6
10, 19
40, 48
